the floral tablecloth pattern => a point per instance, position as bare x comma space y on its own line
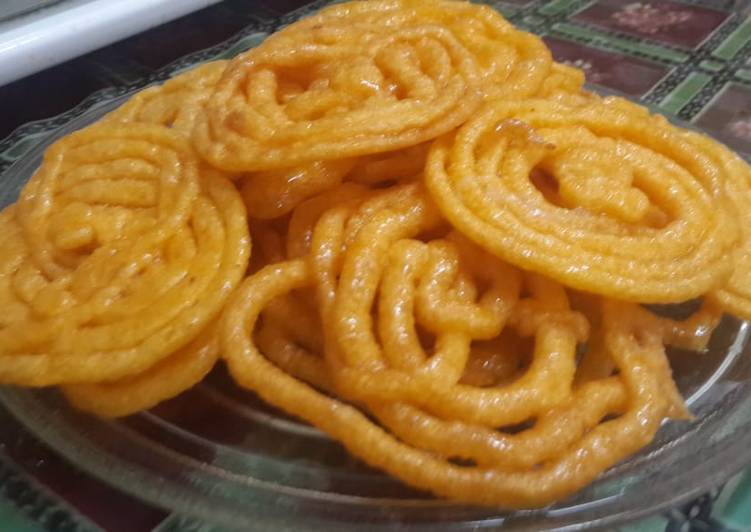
691, 59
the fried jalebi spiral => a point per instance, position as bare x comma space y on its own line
313, 95
281, 343
641, 376
176, 103
104, 185
126, 254
419, 277
638, 211
166, 379
513, 63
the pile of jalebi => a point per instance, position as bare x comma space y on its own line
452, 245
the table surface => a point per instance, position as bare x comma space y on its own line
690, 59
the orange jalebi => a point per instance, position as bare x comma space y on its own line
640, 372
512, 63
125, 254
338, 89
638, 211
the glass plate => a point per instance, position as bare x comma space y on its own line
219, 454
